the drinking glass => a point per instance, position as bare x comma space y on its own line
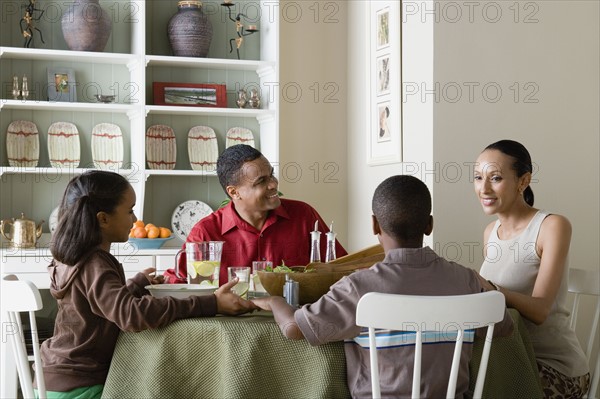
243, 274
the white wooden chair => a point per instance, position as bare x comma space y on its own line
428, 313
17, 297
587, 282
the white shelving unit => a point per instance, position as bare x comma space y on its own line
134, 58
137, 54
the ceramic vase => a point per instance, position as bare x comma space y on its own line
189, 30
86, 26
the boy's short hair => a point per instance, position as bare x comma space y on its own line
402, 206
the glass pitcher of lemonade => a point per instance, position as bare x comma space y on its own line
203, 260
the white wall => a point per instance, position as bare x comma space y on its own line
417, 119
313, 124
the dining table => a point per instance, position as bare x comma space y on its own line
248, 357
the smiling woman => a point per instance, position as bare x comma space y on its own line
526, 258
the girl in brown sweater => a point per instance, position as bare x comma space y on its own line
94, 301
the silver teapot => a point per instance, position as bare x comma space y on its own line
23, 232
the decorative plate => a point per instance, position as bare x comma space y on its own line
161, 148
63, 145
203, 149
23, 144
186, 215
107, 146
239, 135
53, 220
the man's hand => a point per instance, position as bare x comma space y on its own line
229, 303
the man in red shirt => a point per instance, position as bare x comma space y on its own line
256, 224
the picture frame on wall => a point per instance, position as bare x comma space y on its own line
190, 94
384, 130
62, 86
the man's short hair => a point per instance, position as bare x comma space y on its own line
230, 162
402, 206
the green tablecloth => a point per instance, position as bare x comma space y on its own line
248, 357
224, 357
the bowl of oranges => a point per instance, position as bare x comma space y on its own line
148, 236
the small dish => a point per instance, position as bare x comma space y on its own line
107, 99
186, 215
148, 243
180, 291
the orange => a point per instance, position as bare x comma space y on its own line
138, 223
139, 232
148, 226
164, 232
131, 232
153, 232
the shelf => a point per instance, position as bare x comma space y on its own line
209, 111
48, 171
210, 63
175, 172
66, 106
68, 56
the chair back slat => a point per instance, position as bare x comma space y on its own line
430, 313
23, 297
587, 282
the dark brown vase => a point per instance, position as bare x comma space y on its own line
86, 26
190, 30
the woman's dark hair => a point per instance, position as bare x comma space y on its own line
402, 206
522, 161
78, 231
230, 162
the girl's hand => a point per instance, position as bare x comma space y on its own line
229, 303
150, 274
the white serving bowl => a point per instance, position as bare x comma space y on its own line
179, 290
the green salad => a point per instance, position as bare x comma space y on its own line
285, 269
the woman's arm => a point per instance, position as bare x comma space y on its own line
552, 247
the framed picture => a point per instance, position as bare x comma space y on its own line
383, 27
384, 130
383, 75
190, 94
62, 85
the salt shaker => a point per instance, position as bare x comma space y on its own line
330, 254
315, 244
254, 100
242, 99
25, 88
15, 88
291, 291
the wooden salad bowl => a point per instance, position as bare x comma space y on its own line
316, 283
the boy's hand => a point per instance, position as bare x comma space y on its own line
263, 303
229, 303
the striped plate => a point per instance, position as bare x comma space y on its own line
63, 145
107, 146
161, 147
203, 149
23, 144
239, 135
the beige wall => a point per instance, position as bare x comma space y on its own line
549, 49
553, 60
313, 124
